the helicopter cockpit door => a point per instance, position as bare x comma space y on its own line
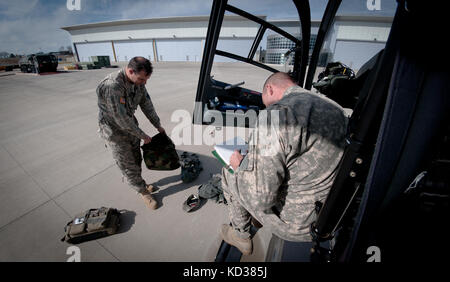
217, 102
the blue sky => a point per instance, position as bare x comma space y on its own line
29, 26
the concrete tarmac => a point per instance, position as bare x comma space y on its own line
54, 165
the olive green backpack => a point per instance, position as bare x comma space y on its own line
92, 224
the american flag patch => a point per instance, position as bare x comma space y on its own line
122, 100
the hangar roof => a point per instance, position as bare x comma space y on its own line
153, 20
227, 18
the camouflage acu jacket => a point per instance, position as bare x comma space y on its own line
117, 101
292, 161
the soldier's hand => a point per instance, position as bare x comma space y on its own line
161, 130
147, 140
236, 159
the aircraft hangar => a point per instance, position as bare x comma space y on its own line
182, 39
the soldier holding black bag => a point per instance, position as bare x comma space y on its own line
119, 94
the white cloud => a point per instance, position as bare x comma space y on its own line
17, 8
34, 33
164, 8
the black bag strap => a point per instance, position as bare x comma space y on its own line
66, 231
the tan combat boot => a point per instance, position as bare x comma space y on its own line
150, 188
150, 202
229, 235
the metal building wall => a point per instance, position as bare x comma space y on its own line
355, 53
86, 50
237, 46
188, 50
176, 39
354, 43
125, 50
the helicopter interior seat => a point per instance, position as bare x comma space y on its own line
345, 91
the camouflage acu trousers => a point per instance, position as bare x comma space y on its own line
239, 216
126, 152
240, 213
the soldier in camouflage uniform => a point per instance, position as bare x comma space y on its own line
119, 94
278, 182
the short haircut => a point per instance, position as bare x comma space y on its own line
138, 64
279, 79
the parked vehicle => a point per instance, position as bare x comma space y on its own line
38, 63
8, 64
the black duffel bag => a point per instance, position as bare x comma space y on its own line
160, 153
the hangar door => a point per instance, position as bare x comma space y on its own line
235, 46
179, 50
86, 50
125, 50
355, 53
